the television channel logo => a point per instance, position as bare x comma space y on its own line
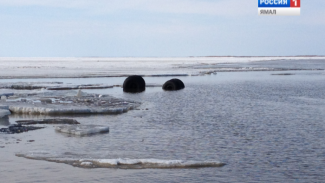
279, 7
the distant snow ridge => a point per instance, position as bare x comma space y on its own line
106, 67
122, 163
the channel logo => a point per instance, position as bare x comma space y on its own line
279, 7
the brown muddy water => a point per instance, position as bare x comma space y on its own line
266, 128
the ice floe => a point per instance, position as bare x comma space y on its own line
48, 121
122, 163
66, 102
4, 112
48, 86
81, 130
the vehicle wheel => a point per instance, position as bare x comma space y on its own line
173, 84
134, 84
179, 83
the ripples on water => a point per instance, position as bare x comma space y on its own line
265, 128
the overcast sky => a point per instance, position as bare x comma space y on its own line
156, 28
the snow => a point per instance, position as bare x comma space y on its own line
96, 67
155, 163
4, 112
123, 163
81, 130
56, 110
65, 102
127, 161
86, 163
48, 86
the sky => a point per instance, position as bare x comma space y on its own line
156, 28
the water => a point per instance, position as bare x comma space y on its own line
266, 128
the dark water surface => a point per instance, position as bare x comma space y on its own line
266, 128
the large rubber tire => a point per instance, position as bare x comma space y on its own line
173, 85
179, 83
134, 84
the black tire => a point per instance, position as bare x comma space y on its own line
173, 85
134, 84
179, 83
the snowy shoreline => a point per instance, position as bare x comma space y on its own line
15, 68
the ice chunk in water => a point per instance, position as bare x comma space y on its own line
79, 94
154, 163
123, 163
81, 130
4, 112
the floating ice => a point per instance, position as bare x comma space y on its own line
79, 93
148, 163
48, 121
56, 110
4, 112
122, 163
48, 86
66, 102
86, 164
81, 130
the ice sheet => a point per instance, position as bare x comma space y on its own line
99, 67
123, 163
65, 102
48, 86
4, 112
81, 130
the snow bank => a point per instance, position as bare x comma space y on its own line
148, 163
82, 130
123, 163
62, 110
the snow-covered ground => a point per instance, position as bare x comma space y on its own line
99, 67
